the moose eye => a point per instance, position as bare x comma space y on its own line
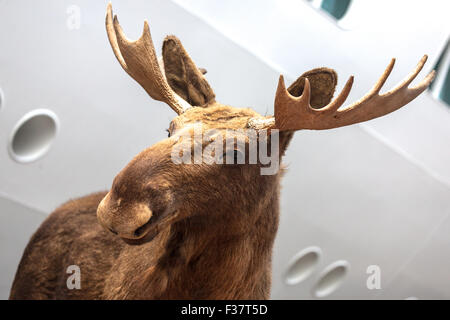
233, 157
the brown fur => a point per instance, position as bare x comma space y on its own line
184, 231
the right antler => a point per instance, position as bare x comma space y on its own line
138, 59
296, 113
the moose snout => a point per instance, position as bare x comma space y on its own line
129, 221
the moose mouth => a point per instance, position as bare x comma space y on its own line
151, 229
143, 234
142, 231
139, 241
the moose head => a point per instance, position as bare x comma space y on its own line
227, 192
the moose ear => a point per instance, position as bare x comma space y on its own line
183, 75
323, 82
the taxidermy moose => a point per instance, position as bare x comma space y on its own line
170, 230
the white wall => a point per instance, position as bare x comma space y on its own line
374, 194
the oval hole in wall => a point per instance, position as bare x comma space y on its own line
33, 135
302, 265
331, 279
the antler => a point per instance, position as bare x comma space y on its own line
138, 58
295, 113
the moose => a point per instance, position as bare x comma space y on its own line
170, 230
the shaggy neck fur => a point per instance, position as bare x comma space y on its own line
205, 257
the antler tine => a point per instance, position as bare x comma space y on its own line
407, 81
423, 85
112, 37
380, 83
415, 91
376, 105
292, 113
302, 101
339, 101
284, 100
377, 87
138, 58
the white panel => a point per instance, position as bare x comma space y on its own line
428, 269
357, 200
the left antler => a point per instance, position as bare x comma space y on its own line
295, 113
138, 59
